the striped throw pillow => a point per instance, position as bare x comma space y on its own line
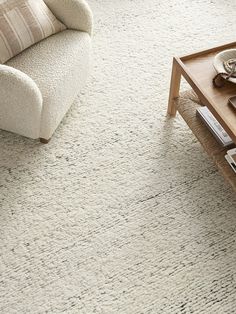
24, 23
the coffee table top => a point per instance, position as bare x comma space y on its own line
198, 70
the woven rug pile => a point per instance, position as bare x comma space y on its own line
122, 212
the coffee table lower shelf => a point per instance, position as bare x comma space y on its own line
186, 105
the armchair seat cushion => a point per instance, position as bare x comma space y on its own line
59, 66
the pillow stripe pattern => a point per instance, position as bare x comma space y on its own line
24, 23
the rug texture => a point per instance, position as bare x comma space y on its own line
122, 212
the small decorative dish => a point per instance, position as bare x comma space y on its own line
225, 63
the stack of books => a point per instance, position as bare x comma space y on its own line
219, 133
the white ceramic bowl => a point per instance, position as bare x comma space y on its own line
220, 58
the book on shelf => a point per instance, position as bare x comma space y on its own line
214, 126
231, 158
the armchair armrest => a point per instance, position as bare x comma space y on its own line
75, 14
20, 103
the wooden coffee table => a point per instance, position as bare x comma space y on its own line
198, 71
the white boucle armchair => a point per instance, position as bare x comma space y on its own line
38, 86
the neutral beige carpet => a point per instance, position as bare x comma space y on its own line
122, 212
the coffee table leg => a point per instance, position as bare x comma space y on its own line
174, 88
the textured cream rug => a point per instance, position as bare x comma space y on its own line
122, 212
